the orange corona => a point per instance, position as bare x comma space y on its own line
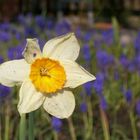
47, 75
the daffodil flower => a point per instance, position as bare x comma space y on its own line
46, 77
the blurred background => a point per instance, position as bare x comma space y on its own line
109, 35
126, 11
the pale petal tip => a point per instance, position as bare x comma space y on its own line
70, 33
93, 77
32, 39
67, 35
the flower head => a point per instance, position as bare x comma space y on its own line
46, 77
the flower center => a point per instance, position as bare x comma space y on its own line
43, 72
47, 75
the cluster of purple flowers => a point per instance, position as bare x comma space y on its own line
109, 62
98, 86
104, 59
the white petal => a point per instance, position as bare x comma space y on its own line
60, 105
29, 98
62, 47
32, 50
76, 75
14, 72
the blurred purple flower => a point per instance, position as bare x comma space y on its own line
56, 124
108, 36
4, 36
128, 95
124, 61
15, 52
116, 75
104, 59
86, 53
83, 107
131, 66
87, 36
25, 20
50, 24
22, 19
138, 107
98, 86
136, 62
103, 103
30, 32
137, 43
16, 34
4, 91
88, 88
99, 83
97, 43
78, 33
1, 59
5, 26
62, 27
41, 22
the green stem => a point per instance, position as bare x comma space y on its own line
72, 130
116, 29
22, 127
90, 119
86, 127
55, 135
31, 126
7, 123
1, 118
0, 127
133, 125
105, 125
